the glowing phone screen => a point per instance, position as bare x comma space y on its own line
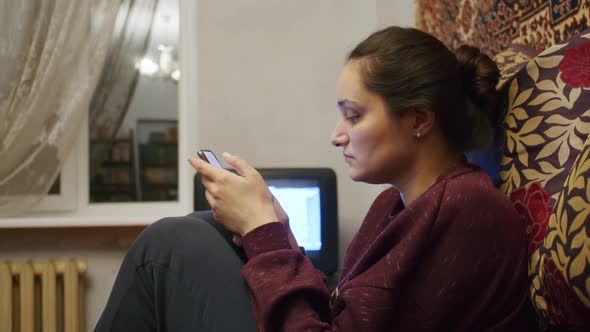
212, 159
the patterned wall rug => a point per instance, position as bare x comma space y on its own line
493, 25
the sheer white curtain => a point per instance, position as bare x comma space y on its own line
51, 55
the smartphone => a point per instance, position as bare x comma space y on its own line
209, 156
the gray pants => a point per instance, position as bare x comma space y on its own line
181, 274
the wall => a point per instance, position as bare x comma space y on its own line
392, 12
267, 76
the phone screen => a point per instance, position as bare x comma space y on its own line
212, 159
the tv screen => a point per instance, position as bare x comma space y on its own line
308, 195
301, 200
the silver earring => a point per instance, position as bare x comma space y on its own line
418, 135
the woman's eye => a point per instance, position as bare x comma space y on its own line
353, 118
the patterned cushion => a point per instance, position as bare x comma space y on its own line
548, 116
560, 287
510, 62
545, 168
532, 203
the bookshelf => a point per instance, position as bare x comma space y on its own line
158, 159
116, 178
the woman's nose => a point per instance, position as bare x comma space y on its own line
339, 137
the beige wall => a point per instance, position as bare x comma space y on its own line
396, 12
267, 78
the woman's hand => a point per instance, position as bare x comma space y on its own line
239, 202
283, 219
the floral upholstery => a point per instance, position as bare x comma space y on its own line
548, 116
545, 168
512, 60
533, 205
561, 267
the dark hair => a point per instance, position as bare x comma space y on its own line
412, 69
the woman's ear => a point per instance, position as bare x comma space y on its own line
422, 121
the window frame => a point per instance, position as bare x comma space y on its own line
66, 200
71, 208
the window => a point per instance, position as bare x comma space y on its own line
72, 206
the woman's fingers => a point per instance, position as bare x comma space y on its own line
211, 200
204, 168
239, 202
237, 240
239, 164
207, 183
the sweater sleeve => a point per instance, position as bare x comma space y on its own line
288, 292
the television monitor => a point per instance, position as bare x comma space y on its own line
309, 197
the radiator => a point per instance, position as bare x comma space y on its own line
42, 296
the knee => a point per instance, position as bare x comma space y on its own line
172, 229
175, 237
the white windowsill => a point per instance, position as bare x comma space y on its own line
56, 222
101, 215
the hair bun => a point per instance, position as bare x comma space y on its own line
478, 73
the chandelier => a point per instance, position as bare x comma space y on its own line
165, 66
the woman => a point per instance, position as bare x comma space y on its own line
441, 250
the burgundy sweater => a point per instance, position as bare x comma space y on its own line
453, 260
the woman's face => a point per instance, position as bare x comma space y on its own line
377, 146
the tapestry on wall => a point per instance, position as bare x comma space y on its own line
493, 25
